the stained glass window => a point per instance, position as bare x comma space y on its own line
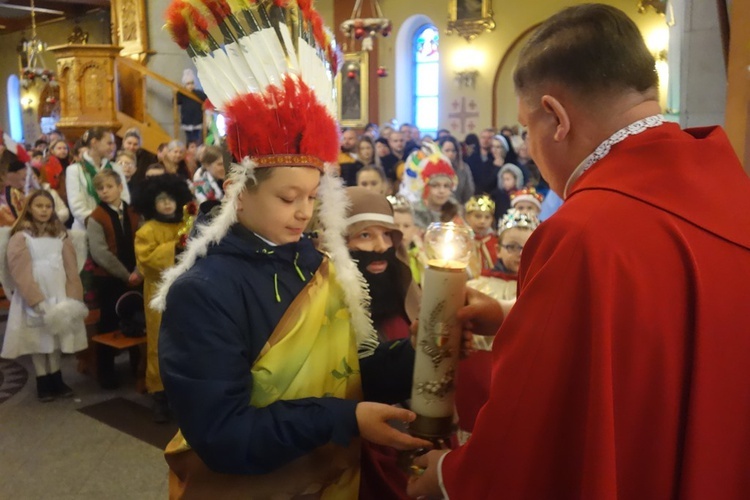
14, 108
426, 77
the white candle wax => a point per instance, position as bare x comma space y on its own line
438, 340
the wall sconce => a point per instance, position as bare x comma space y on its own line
27, 103
660, 6
467, 78
466, 63
660, 55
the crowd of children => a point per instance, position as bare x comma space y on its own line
82, 194
130, 244
318, 341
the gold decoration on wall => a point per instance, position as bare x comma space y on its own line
78, 36
129, 29
660, 6
470, 18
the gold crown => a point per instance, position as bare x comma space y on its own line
514, 218
399, 202
481, 203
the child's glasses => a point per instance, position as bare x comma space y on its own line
513, 248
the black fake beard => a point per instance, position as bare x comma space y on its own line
386, 297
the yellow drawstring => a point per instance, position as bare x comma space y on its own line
276, 287
299, 271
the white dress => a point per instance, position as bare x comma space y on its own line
26, 332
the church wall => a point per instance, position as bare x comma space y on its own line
487, 50
700, 96
492, 102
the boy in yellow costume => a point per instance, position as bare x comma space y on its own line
160, 203
267, 350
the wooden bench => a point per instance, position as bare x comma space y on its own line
117, 340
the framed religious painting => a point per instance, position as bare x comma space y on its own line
352, 88
470, 18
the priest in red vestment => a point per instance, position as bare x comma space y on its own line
622, 370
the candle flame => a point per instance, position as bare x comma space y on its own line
448, 248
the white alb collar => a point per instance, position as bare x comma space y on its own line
600, 152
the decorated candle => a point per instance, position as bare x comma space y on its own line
448, 247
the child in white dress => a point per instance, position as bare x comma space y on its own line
47, 313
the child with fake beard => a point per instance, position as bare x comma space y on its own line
374, 242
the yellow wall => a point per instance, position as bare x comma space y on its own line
95, 23
511, 23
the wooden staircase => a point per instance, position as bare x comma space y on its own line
132, 107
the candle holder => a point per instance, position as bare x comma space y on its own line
448, 248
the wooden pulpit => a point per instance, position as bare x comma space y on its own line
88, 98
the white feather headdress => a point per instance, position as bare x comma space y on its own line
273, 80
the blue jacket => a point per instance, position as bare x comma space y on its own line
219, 315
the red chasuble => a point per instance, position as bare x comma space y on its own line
623, 371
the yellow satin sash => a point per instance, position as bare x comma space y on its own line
312, 352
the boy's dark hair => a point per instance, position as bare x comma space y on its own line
35, 154
40, 142
105, 174
591, 49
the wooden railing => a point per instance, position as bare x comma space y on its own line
133, 107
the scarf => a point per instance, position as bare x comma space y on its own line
89, 171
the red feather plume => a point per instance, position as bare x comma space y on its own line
176, 24
287, 120
225, 8
318, 28
199, 21
305, 6
216, 10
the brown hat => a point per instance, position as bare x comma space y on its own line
369, 208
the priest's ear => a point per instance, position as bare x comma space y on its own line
553, 107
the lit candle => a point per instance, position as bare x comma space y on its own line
448, 247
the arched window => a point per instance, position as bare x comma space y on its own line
14, 109
426, 60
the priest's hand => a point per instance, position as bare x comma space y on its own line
372, 419
482, 315
426, 484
